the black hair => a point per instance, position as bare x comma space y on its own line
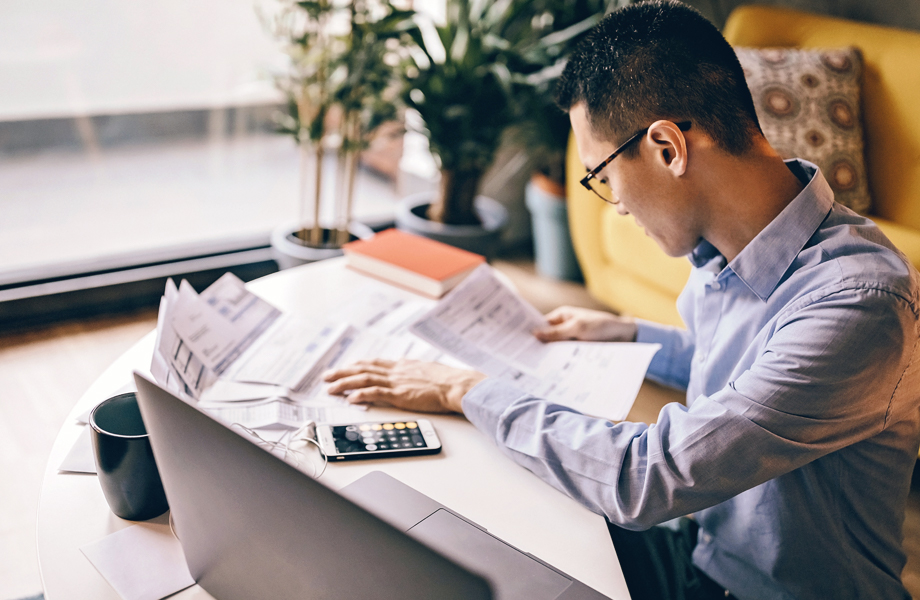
660, 60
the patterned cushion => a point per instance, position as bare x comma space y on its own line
808, 105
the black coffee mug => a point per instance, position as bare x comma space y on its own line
124, 460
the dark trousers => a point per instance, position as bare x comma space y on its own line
657, 564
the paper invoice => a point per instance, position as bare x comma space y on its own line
486, 325
244, 361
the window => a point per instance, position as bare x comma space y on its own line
139, 133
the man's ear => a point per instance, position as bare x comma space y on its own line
669, 145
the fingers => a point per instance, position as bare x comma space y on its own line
378, 362
555, 318
357, 381
372, 395
556, 334
378, 366
558, 315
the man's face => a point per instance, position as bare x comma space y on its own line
642, 186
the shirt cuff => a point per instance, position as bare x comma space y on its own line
664, 367
487, 401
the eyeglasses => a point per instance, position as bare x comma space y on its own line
599, 186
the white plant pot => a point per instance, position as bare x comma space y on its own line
288, 252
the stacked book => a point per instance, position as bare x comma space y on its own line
412, 262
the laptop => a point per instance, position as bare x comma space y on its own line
253, 526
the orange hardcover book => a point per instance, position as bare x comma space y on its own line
425, 266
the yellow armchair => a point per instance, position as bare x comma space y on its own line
626, 270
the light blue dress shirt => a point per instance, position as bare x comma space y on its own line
802, 425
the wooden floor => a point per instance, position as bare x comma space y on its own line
42, 375
44, 372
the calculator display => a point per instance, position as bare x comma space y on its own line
377, 437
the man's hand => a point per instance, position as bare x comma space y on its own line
408, 384
573, 323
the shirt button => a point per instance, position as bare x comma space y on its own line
716, 286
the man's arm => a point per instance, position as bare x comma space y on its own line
825, 380
432, 387
670, 366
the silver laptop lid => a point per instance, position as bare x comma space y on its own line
253, 526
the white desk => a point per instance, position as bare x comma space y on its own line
470, 475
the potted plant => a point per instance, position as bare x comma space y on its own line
341, 84
470, 79
460, 85
544, 132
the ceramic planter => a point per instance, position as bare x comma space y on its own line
482, 239
289, 251
555, 256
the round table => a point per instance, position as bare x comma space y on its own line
470, 475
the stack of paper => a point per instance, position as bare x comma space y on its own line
246, 362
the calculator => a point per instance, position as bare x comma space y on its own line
378, 439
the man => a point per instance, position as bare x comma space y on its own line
802, 424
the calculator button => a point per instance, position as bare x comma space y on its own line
376, 427
365, 427
400, 426
371, 447
351, 435
406, 445
383, 447
388, 426
412, 425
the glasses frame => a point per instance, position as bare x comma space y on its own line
592, 174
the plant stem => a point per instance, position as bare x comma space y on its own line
316, 234
455, 205
353, 130
304, 183
351, 169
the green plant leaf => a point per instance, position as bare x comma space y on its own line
569, 33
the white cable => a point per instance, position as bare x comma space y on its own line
303, 435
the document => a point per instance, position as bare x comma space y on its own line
220, 324
281, 413
142, 562
246, 362
488, 326
174, 366
291, 353
80, 459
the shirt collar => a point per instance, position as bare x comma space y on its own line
762, 263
